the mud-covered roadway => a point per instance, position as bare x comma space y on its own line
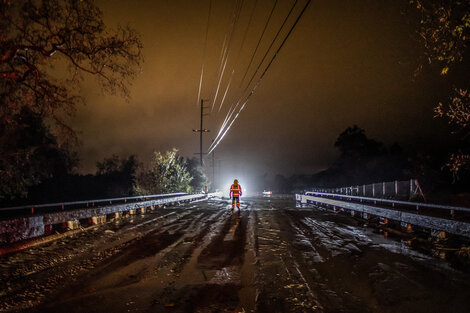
201, 257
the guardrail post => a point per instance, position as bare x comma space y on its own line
396, 188
452, 213
383, 189
409, 228
373, 190
74, 224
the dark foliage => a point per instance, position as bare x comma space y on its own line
364, 161
200, 180
46, 48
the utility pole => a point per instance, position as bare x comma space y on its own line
201, 130
213, 168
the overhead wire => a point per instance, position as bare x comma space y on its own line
230, 111
216, 141
239, 52
235, 18
272, 42
204, 53
259, 41
221, 57
232, 108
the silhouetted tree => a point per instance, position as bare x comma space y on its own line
362, 160
199, 177
353, 143
108, 165
46, 48
118, 175
29, 154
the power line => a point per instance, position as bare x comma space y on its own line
272, 42
259, 41
216, 142
204, 52
232, 109
235, 18
201, 130
239, 52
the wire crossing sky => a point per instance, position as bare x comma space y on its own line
231, 115
344, 63
204, 53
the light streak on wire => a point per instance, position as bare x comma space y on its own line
239, 52
235, 17
204, 53
225, 132
218, 84
226, 90
216, 141
272, 42
200, 83
259, 41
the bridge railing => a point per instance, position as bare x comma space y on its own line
392, 202
435, 217
62, 206
74, 214
404, 190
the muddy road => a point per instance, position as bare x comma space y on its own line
201, 257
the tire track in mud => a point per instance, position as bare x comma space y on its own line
282, 286
202, 258
225, 281
316, 243
163, 272
134, 264
359, 275
66, 260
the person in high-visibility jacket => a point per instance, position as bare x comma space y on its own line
235, 194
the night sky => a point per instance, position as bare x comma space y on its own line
346, 62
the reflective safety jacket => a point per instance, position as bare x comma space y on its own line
235, 190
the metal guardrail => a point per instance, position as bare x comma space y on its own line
417, 205
404, 190
87, 203
26, 227
408, 218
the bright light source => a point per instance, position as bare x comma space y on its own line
243, 181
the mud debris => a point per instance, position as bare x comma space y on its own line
269, 257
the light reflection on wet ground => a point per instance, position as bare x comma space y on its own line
201, 257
